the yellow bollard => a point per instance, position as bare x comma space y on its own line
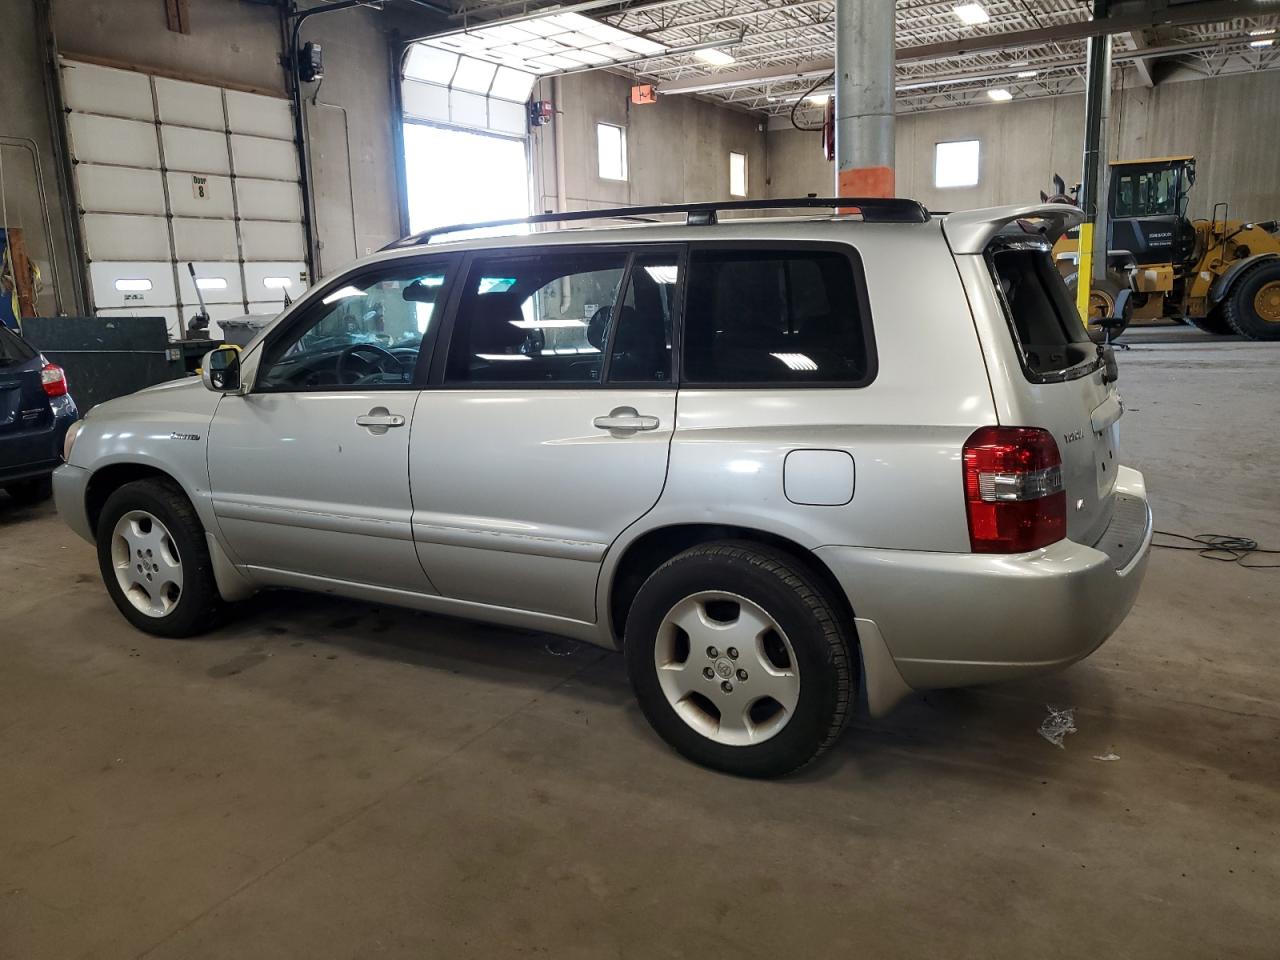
1084, 271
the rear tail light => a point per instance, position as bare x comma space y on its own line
1013, 490
53, 380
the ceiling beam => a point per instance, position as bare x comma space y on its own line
987, 72
1142, 65
1201, 11
728, 79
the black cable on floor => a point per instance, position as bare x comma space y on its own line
1219, 546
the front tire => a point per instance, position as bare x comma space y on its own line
1213, 323
154, 560
1253, 307
740, 660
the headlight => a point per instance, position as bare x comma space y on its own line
70, 441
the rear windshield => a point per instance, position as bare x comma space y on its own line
13, 349
1047, 327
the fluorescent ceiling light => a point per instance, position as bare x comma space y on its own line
714, 56
1261, 43
795, 361
971, 14
502, 356
1028, 74
818, 98
1000, 94
1262, 33
343, 293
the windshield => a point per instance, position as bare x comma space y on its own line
1145, 193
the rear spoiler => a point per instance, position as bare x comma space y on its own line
971, 230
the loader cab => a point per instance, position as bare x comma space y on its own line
1147, 209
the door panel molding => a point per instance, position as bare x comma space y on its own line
483, 533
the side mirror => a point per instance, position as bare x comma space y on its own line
220, 370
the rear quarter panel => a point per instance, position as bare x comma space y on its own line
1089, 460
905, 430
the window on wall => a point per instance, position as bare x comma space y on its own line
611, 145
955, 163
737, 174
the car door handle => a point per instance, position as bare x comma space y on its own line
379, 420
624, 421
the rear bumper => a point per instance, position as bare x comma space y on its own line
69, 485
958, 619
32, 470
29, 456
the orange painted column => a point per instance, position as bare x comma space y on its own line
866, 182
865, 95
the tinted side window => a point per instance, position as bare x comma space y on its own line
640, 340
773, 316
535, 319
1049, 332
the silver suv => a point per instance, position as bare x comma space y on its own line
779, 462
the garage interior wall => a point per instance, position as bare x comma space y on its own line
678, 148
172, 177
349, 116
1025, 142
24, 115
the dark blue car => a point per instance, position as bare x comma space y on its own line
35, 412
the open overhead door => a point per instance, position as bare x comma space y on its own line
170, 173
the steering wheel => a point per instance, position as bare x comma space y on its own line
383, 361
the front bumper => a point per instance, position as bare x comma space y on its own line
952, 619
69, 485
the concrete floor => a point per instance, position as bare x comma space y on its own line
328, 779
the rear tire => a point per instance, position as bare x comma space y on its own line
155, 561
1215, 323
779, 687
1253, 306
28, 492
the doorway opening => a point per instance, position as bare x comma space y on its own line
462, 176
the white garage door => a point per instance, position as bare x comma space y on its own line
170, 173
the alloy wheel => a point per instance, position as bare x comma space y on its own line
727, 668
147, 565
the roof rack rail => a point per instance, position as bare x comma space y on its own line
872, 209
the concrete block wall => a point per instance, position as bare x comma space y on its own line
678, 148
1228, 123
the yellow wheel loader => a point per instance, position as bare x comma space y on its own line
1221, 275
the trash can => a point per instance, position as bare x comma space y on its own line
240, 330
